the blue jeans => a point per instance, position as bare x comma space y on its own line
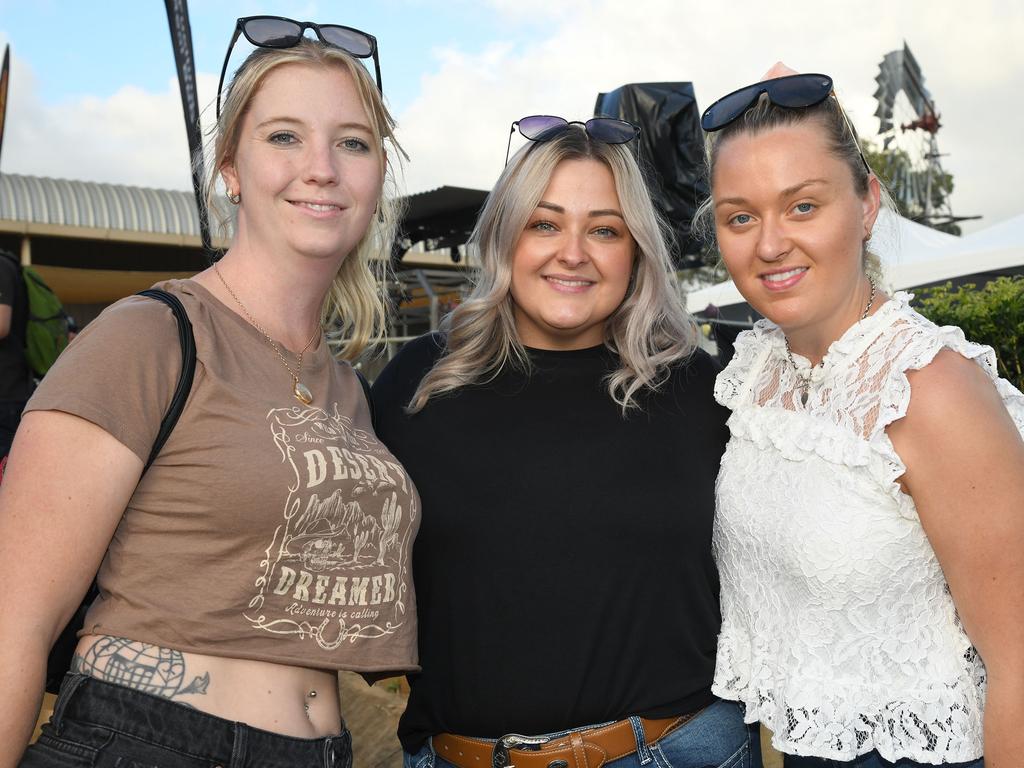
716, 738
102, 725
870, 760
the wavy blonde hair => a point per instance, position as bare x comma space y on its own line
649, 331
356, 306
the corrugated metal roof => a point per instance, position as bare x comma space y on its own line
69, 203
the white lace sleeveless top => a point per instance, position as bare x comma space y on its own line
838, 629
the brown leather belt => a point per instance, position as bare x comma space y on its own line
578, 749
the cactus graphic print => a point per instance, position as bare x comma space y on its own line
336, 567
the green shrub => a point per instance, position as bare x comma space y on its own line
992, 315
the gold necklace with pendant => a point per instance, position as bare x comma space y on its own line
805, 381
299, 390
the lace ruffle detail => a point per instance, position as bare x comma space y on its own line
797, 436
748, 346
830, 718
924, 341
868, 367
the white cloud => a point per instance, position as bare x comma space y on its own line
132, 137
456, 129
532, 11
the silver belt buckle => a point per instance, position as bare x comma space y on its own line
500, 756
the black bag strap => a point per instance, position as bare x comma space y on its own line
366, 391
59, 660
188, 369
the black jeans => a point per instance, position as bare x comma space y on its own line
102, 725
10, 416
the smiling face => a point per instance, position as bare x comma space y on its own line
307, 166
791, 228
572, 264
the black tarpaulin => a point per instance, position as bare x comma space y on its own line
671, 146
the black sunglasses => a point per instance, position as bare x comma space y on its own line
279, 32
546, 127
792, 91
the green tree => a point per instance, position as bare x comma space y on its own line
907, 183
992, 315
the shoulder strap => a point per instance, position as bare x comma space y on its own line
188, 368
59, 660
11, 258
366, 391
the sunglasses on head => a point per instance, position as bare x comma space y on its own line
539, 128
279, 32
790, 92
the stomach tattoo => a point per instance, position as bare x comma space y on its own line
139, 666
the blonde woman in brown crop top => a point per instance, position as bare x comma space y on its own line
269, 544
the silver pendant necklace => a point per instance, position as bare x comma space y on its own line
805, 380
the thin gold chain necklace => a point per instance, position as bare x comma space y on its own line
299, 390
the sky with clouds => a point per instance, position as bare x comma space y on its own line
93, 92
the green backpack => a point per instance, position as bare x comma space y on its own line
46, 329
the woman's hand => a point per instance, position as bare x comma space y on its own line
66, 485
965, 472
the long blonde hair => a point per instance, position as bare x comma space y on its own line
355, 306
649, 331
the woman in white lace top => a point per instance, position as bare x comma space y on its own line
870, 526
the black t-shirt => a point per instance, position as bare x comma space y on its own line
15, 377
563, 565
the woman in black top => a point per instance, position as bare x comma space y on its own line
564, 439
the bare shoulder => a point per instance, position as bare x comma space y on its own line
951, 389
956, 425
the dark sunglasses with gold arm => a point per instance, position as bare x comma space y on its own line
280, 32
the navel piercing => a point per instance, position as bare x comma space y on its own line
305, 704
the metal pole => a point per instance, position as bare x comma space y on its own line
928, 178
435, 314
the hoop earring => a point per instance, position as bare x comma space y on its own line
234, 199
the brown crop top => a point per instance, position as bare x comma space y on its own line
265, 529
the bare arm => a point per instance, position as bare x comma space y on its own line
5, 320
965, 472
65, 488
